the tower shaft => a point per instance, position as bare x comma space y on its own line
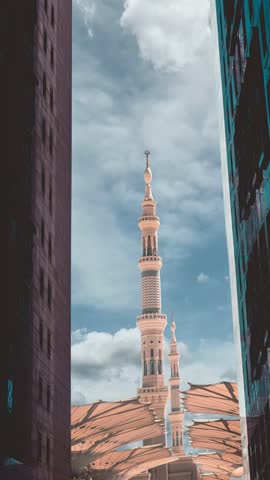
151, 322
176, 414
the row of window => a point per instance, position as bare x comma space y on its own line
41, 339
43, 188
42, 288
44, 91
42, 240
52, 15
40, 456
44, 397
44, 135
45, 48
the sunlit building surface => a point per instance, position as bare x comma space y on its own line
244, 48
35, 57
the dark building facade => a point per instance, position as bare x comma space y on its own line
244, 48
35, 61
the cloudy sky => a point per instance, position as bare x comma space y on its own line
143, 77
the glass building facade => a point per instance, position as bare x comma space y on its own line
244, 52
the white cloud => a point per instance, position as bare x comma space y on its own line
169, 34
202, 278
87, 9
113, 122
108, 366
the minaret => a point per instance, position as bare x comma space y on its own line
151, 322
176, 414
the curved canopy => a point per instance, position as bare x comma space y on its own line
224, 437
125, 464
99, 428
218, 398
221, 465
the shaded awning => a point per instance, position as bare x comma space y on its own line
125, 464
104, 426
213, 476
222, 435
218, 398
97, 429
221, 465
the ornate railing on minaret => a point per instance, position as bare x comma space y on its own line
151, 322
176, 414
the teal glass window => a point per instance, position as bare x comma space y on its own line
10, 395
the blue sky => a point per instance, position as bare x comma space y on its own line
143, 77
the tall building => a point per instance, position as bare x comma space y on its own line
35, 56
244, 52
152, 324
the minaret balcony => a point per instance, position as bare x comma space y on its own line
150, 263
148, 221
152, 322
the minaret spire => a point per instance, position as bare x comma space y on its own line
176, 414
151, 322
147, 153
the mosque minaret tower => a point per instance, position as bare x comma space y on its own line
151, 322
176, 414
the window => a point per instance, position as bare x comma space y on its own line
43, 181
50, 248
250, 4
48, 397
51, 99
44, 85
52, 57
50, 198
144, 364
41, 282
51, 141
48, 452
45, 41
13, 229
49, 341
42, 232
152, 365
41, 334
43, 130
40, 389
159, 362
9, 395
39, 447
263, 32
49, 295
149, 249
52, 16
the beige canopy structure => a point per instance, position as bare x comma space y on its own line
218, 398
100, 428
221, 466
222, 436
125, 464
